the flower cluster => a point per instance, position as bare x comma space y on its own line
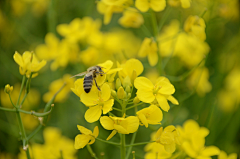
120, 89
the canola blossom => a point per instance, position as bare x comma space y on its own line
28, 63
87, 137
162, 91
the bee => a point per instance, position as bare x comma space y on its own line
90, 75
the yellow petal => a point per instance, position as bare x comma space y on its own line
166, 88
121, 129
105, 92
162, 101
96, 131
189, 150
132, 124
145, 96
173, 100
142, 5
152, 58
92, 140
81, 141
18, 59
170, 148
143, 119
156, 115
90, 98
84, 130
210, 151
158, 134
93, 114
143, 83
158, 5
131, 65
107, 107
106, 65
112, 134
144, 49
107, 123
186, 3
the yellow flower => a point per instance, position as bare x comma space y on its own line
132, 68
199, 81
161, 91
108, 7
156, 150
61, 52
120, 124
98, 103
223, 155
149, 49
28, 63
56, 85
156, 5
89, 56
8, 89
54, 144
195, 26
150, 115
87, 137
176, 3
131, 18
192, 138
168, 137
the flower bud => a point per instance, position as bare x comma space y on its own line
113, 93
129, 95
127, 82
128, 89
120, 93
134, 76
8, 89
118, 83
136, 100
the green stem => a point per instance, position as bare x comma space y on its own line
91, 151
138, 144
154, 24
23, 81
135, 106
108, 142
51, 17
123, 148
8, 109
132, 141
11, 100
117, 109
164, 18
35, 132
23, 133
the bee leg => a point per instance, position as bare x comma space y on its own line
96, 84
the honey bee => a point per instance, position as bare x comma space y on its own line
90, 75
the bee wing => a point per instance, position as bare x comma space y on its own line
80, 74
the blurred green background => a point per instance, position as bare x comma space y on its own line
24, 25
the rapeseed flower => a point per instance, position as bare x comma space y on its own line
56, 85
98, 103
131, 18
61, 52
156, 5
120, 124
183, 3
87, 137
192, 139
149, 49
168, 137
8, 89
162, 91
195, 26
131, 68
199, 81
28, 63
150, 115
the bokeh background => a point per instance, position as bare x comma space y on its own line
208, 90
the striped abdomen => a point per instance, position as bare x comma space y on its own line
87, 83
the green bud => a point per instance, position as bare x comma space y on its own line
127, 82
128, 89
8, 89
136, 100
129, 95
120, 93
118, 83
113, 93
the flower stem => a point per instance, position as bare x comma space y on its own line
91, 151
108, 142
23, 81
123, 148
138, 144
132, 141
134, 106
